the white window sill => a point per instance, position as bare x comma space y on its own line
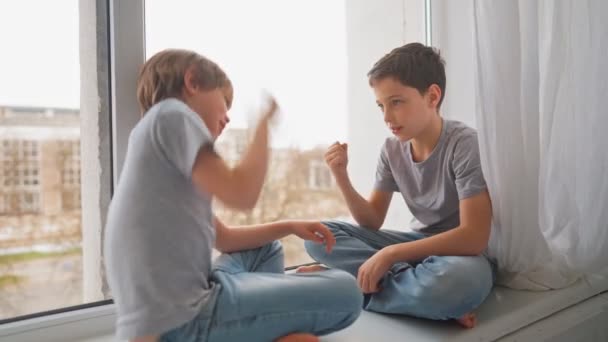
75, 325
574, 313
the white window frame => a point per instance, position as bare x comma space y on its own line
110, 28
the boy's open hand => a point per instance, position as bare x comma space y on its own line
336, 157
314, 231
372, 271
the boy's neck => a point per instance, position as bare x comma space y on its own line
424, 144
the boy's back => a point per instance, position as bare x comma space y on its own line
159, 233
434, 187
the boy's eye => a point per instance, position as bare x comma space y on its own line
396, 102
380, 105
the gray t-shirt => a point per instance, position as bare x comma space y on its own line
159, 233
433, 188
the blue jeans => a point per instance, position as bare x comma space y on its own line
438, 287
256, 301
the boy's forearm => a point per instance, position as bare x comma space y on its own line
460, 241
240, 238
359, 207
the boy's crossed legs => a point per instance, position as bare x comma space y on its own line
438, 287
258, 302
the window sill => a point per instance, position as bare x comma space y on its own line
66, 326
508, 315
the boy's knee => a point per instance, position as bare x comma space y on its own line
460, 285
336, 227
274, 247
270, 250
315, 250
345, 290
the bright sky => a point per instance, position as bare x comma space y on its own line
39, 63
294, 49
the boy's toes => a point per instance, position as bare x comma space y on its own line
311, 268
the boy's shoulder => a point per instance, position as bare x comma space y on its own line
167, 107
454, 135
460, 138
456, 131
168, 114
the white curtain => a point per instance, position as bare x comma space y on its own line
542, 116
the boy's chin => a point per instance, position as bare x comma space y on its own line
402, 138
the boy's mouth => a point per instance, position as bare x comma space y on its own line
396, 129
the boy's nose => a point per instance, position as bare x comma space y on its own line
387, 116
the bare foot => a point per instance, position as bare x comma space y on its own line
468, 320
311, 268
298, 338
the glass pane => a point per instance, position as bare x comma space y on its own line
297, 51
40, 223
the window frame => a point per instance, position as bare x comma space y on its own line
116, 28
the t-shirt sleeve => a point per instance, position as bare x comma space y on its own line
467, 167
384, 175
179, 136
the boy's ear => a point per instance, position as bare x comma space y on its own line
190, 84
434, 95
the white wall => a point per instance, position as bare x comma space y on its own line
452, 33
373, 29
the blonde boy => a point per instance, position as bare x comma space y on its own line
161, 228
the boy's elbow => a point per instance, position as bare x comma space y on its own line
242, 202
370, 224
374, 226
478, 249
248, 203
479, 241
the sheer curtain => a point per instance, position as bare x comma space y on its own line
542, 80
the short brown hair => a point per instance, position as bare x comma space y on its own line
414, 65
162, 76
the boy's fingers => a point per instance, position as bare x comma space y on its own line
333, 146
273, 106
359, 280
328, 236
334, 149
333, 159
334, 156
362, 280
366, 283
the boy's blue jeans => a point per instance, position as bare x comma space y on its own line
438, 287
256, 301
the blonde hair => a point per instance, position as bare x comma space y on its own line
162, 76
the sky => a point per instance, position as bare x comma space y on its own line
296, 50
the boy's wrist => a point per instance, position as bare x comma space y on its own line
286, 226
391, 253
340, 175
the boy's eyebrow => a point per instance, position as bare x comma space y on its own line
390, 97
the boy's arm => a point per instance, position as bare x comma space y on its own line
472, 235
233, 239
240, 186
470, 238
368, 213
